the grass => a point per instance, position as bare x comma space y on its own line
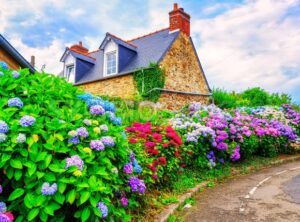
159, 198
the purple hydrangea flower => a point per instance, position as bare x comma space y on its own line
15, 74
74, 161
3, 127
1, 189
15, 102
124, 201
82, 132
97, 110
97, 145
128, 168
104, 127
21, 138
236, 154
75, 140
48, 190
103, 209
108, 141
137, 185
26, 121
132, 156
3, 137
2, 207
4, 218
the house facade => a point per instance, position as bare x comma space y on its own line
12, 57
108, 70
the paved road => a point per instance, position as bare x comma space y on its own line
270, 195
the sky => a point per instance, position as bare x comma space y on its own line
241, 44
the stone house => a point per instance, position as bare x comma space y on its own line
108, 70
12, 57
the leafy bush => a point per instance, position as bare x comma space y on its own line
61, 158
159, 150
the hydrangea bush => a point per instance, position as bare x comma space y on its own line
62, 153
213, 135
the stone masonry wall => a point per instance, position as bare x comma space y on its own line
182, 69
122, 86
174, 101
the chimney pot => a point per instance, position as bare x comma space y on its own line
32, 60
80, 43
175, 6
179, 19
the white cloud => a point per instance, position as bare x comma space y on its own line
249, 45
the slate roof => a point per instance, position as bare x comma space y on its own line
15, 54
150, 48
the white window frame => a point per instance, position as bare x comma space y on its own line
106, 62
68, 72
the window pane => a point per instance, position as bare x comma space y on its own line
111, 63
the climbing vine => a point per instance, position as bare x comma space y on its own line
148, 81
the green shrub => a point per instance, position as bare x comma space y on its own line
37, 154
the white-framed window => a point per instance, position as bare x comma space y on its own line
69, 72
111, 63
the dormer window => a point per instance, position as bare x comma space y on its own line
111, 63
69, 72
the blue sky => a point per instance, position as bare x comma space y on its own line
241, 44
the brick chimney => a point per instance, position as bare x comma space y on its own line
179, 19
79, 48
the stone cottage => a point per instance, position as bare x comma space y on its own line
108, 70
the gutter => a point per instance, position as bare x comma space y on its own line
179, 92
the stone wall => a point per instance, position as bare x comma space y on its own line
122, 86
175, 101
182, 69
4, 56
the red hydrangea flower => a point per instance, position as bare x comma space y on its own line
132, 140
155, 152
150, 144
162, 160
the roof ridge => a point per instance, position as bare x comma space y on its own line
94, 51
82, 54
151, 33
122, 40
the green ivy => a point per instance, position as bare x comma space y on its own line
147, 80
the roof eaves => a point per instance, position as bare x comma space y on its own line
13, 52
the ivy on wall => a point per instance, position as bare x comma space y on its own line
147, 80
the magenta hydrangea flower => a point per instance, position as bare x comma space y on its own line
49, 190
97, 145
74, 161
27, 121
128, 168
124, 201
236, 154
97, 110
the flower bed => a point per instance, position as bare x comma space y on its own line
62, 153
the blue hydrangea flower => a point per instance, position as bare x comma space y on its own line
3, 127
27, 121
49, 190
1, 74
17, 102
123, 134
103, 209
21, 138
2, 207
3, 65
3, 137
137, 168
74, 140
15, 74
